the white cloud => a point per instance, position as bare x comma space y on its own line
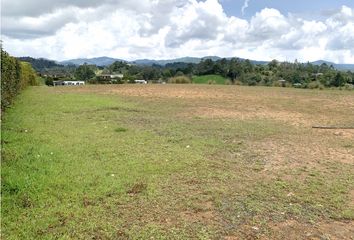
175, 28
245, 5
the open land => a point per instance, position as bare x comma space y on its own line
178, 162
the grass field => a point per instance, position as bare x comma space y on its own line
209, 79
177, 162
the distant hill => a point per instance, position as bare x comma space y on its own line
343, 67
185, 60
105, 61
40, 64
167, 61
99, 61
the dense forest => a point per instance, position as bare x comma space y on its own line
234, 71
15, 76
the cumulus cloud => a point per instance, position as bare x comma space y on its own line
196, 20
268, 24
133, 29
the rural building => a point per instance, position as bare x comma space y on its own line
119, 75
140, 81
108, 77
282, 82
68, 83
55, 75
105, 77
317, 74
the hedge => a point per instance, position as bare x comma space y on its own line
15, 76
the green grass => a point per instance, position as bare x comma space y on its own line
209, 79
91, 165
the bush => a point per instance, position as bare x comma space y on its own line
15, 76
117, 81
180, 80
211, 82
228, 82
237, 82
49, 81
348, 86
314, 85
28, 75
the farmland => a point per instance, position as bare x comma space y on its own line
178, 162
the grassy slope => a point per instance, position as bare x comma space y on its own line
206, 78
96, 166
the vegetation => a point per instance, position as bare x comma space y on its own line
177, 162
234, 70
180, 79
84, 73
209, 79
15, 76
40, 64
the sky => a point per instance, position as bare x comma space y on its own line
286, 30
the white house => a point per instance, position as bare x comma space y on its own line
68, 83
119, 75
140, 81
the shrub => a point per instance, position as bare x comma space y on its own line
15, 76
348, 86
180, 80
228, 82
237, 82
211, 82
49, 81
117, 81
314, 85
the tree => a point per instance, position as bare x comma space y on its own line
338, 80
234, 69
273, 64
205, 67
84, 73
118, 66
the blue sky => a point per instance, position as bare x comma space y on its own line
306, 30
311, 9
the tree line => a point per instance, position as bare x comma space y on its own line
15, 76
234, 70
242, 72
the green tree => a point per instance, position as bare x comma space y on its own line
84, 73
338, 80
235, 69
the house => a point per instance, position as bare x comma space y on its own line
68, 83
119, 75
56, 75
108, 77
282, 82
317, 74
104, 77
140, 81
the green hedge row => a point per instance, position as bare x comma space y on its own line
15, 76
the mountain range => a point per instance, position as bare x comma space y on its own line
104, 61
